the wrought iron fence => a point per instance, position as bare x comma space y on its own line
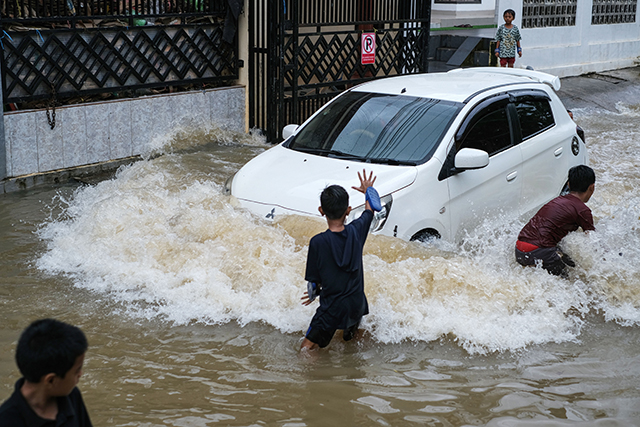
310, 50
51, 12
56, 49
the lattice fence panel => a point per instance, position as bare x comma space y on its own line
73, 63
325, 58
398, 52
333, 58
74, 11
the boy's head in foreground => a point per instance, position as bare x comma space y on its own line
334, 202
51, 352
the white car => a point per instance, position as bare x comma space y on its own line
448, 150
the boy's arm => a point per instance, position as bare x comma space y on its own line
311, 270
313, 291
365, 182
498, 40
305, 299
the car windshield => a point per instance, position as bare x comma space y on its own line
377, 128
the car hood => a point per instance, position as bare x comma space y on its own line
281, 177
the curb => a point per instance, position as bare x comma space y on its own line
87, 174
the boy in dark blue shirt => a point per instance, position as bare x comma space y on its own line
50, 356
334, 266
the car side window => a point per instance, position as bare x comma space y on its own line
535, 116
490, 132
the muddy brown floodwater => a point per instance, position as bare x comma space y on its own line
192, 311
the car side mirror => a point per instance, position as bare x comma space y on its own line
289, 130
471, 158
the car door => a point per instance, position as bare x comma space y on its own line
546, 150
475, 195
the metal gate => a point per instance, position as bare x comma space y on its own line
304, 52
51, 50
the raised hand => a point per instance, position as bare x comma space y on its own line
365, 182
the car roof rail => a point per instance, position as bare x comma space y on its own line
538, 76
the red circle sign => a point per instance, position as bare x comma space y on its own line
368, 48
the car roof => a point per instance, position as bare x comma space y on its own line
457, 85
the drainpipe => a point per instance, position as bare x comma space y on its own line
3, 147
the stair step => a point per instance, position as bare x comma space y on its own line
463, 51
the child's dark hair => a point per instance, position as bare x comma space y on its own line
49, 346
511, 12
334, 201
580, 178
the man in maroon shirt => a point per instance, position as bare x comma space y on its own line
538, 240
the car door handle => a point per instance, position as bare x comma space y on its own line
512, 176
558, 152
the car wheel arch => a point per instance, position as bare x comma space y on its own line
425, 235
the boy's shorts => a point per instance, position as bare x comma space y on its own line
509, 61
323, 338
552, 259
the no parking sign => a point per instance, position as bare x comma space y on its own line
368, 49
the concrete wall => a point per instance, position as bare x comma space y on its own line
3, 150
107, 131
483, 8
579, 49
445, 15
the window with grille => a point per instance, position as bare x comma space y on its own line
613, 11
549, 13
458, 1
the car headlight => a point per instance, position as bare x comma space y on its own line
379, 218
227, 185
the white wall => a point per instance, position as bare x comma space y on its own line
576, 50
465, 9
105, 131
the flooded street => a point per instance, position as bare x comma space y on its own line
193, 315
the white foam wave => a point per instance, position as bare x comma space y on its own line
181, 252
162, 240
194, 134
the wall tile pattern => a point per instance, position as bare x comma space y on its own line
98, 132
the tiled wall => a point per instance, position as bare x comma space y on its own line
99, 132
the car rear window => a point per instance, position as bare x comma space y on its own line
377, 128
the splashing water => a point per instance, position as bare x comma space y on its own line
162, 239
